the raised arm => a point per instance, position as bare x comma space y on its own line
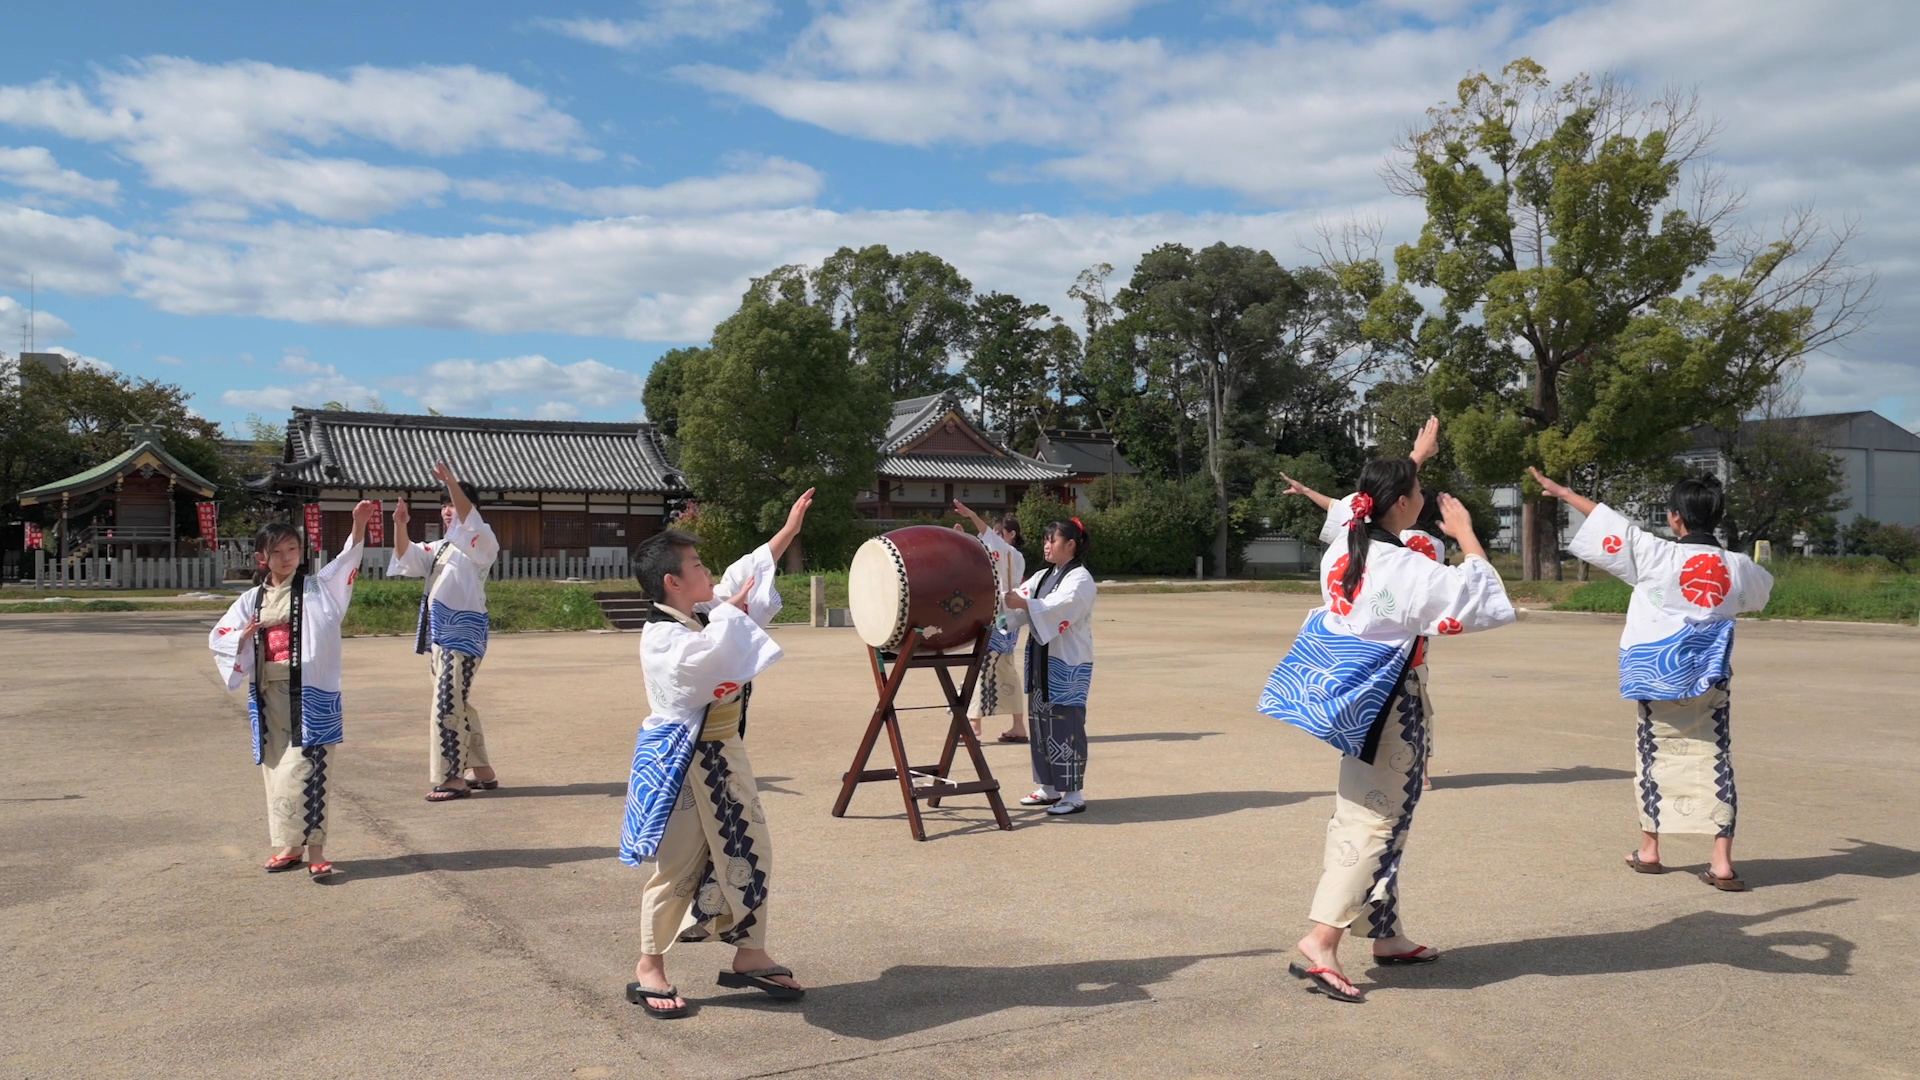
979, 524
443, 472
796, 517
337, 577
1562, 492
409, 559
1427, 443
1295, 487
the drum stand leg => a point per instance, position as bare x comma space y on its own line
887, 718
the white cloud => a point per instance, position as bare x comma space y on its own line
66, 254
324, 383
77, 359
46, 325
669, 20
246, 132
762, 182
34, 168
487, 386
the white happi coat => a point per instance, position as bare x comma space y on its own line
1009, 571
455, 607
1678, 640
1062, 622
323, 608
687, 671
1353, 652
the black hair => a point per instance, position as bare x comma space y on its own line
1071, 529
268, 537
1429, 519
466, 488
657, 556
1700, 503
1012, 524
1386, 481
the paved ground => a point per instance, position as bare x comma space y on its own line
1146, 938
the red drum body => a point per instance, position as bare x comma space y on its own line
925, 580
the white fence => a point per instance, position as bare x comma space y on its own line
213, 571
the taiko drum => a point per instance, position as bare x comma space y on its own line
925, 580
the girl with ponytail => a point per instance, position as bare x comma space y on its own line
1355, 678
281, 639
1056, 605
1676, 661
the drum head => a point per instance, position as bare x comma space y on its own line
877, 594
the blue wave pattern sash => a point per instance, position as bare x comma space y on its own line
661, 757
1683, 665
322, 720
1068, 684
1002, 640
1332, 686
459, 631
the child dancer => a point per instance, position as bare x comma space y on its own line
1056, 605
1350, 680
453, 629
1000, 687
283, 638
1676, 661
693, 805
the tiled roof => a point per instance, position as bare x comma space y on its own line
1084, 452
386, 450
1013, 468
913, 418
100, 475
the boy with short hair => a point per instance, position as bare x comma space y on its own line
693, 805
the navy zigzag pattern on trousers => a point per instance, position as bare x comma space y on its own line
734, 841
1385, 918
1649, 788
1723, 757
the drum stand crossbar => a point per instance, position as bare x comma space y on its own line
886, 717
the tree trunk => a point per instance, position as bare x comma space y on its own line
1539, 524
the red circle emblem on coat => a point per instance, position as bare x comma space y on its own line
724, 689
1339, 601
1705, 581
1063, 626
1449, 626
1611, 545
1419, 542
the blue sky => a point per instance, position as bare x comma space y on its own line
505, 210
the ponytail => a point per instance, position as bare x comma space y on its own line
1383, 482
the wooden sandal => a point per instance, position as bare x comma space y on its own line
640, 995
761, 979
1323, 984
1724, 884
1638, 867
280, 864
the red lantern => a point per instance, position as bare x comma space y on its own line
313, 526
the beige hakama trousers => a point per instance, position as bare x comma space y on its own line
1372, 813
1684, 770
455, 742
296, 776
716, 857
1001, 689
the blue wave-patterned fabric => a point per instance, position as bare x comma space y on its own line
1683, 665
459, 631
253, 721
1002, 641
322, 721
660, 760
1068, 684
320, 716
1332, 686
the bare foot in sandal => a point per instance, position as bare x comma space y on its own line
759, 960
651, 971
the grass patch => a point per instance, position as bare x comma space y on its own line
1849, 590
43, 607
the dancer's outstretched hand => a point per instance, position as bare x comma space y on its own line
1427, 443
401, 517
740, 598
798, 515
1455, 520
1553, 488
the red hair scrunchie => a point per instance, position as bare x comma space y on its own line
1078, 525
1362, 510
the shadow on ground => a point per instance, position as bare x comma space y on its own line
352, 870
1704, 937
1571, 775
912, 998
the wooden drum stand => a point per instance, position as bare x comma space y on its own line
887, 717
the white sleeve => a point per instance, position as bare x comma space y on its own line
336, 578
1614, 544
473, 537
733, 648
1339, 512
232, 655
1756, 586
1460, 599
1018, 617
1070, 602
417, 562
764, 603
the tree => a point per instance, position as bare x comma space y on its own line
907, 317
1895, 543
1557, 239
1782, 481
777, 406
665, 380
1226, 311
1009, 366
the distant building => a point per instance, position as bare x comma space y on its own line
129, 504
1879, 461
548, 488
1093, 456
931, 454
